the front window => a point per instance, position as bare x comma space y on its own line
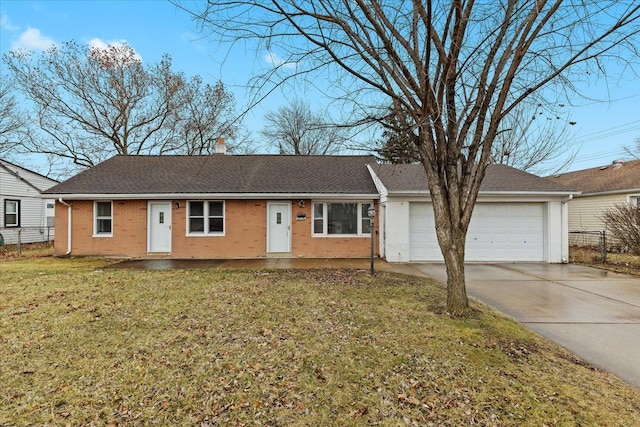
103, 214
206, 217
11, 213
335, 218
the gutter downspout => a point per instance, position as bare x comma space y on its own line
565, 232
68, 224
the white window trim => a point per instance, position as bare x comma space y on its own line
325, 223
95, 219
634, 199
206, 233
4, 219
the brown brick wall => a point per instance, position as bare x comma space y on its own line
245, 233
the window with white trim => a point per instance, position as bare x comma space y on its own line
205, 217
341, 219
103, 218
12, 213
635, 201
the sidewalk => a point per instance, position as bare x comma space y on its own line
266, 264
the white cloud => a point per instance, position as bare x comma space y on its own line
101, 44
6, 24
273, 59
32, 39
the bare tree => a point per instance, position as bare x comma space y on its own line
454, 69
535, 139
207, 113
633, 151
12, 120
295, 129
91, 103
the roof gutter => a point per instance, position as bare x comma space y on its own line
610, 193
68, 224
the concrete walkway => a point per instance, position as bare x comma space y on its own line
593, 313
264, 264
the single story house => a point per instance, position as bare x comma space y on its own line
252, 206
217, 206
25, 215
518, 217
601, 188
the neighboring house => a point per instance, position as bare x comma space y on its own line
518, 217
24, 213
217, 206
602, 188
222, 206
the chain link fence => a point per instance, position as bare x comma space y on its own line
16, 239
591, 239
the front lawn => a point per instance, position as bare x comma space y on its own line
85, 346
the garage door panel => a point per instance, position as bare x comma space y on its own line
497, 232
423, 242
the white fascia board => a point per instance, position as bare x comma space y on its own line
222, 196
382, 190
610, 193
494, 193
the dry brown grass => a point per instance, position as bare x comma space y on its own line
82, 346
618, 262
27, 250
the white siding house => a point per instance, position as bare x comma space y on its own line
24, 215
602, 188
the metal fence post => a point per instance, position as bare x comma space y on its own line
603, 246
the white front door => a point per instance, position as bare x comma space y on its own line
278, 227
159, 236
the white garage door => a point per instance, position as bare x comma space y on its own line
498, 232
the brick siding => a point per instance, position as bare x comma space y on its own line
244, 237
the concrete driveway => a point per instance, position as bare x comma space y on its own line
593, 313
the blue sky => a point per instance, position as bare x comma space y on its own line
154, 27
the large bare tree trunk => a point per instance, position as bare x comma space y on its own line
451, 229
457, 302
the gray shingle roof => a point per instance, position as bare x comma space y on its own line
269, 174
603, 179
498, 178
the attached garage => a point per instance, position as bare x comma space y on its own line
498, 232
518, 217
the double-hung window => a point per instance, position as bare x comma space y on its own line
103, 219
339, 218
12, 213
205, 217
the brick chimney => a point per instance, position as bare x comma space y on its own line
221, 148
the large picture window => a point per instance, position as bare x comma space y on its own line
205, 217
12, 213
103, 218
337, 218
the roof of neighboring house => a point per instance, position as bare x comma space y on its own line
498, 178
33, 179
223, 174
616, 177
